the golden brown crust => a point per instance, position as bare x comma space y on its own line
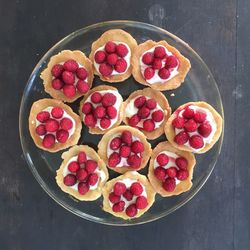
119, 36
173, 83
161, 100
62, 57
183, 186
170, 133
66, 156
103, 147
41, 105
120, 113
131, 175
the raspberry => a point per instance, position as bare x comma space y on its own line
164, 73
57, 84
90, 166
83, 188
141, 202
69, 90
62, 135
114, 159
118, 207
82, 86
121, 65
124, 151
149, 73
128, 195
81, 174
87, 108
41, 129
66, 123
160, 173
73, 166
52, 125
188, 113
100, 56
143, 112
69, 180
121, 50
171, 62
93, 179
108, 99
151, 103
126, 137
181, 138
48, 141
178, 122
131, 210
133, 120
111, 112
112, 59
81, 73
96, 97
182, 175
158, 115
110, 47
90, 120
148, 58
57, 70
70, 65
137, 147
105, 123
119, 188
115, 143
162, 159
157, 63
169, 184
205, 129
160, 52
114, 198
200, 116
100, 112
136, 188
134, 161
43, 116
140, 101
171, 172
181, 163
148, 125
105, 69
81, 158
196, 141
57, 112
190, 125
68, 77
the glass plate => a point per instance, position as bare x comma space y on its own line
199, 85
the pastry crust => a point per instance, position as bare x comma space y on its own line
62, 57
173, 83
119, 36
41, 105
163, 103
183, 186
131, 175
120, 113
170, 133
66, 156
103, 147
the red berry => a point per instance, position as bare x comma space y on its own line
121, 65
140, 101
196, 141
100, 56
148, 125
105, 69
133, 120
149, 73
171, 62
136, 188
57, 112
137, 147
157, 63
128, 195
81, 174
148, 58
131, 210
171, 172
160, 52
81, 73
164, 73
87, 108
162, 159
105, 123
188, 113
169, 184
96, 97
82, 157
182, 175
108, 99
68, 77
48, 141
43, 116
143, 112
134, 161
118, 207
82, 86
57, 84
158, 115
111, 112
62, 135
66, 123
115, 143
121, 50
110, 47
205, 129
41, 129
90, 166
181, 138
112, 59
73, 166
114, 160
124, 151
141, 202
100, 112
190, 125
126, 137
93, 179
52, 125
160, 173
69, 180
90, 120
69, 90
114, 198
70, 65
181, 163
178, 122
57, 70
200, 116
83, 188
151, 103
119, 188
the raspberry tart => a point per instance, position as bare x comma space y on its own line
101, 109
128, 196
194, 127
68, 76
111, 55
148, 110
82, 173
159, 65
53, 125
124, 148
170, 170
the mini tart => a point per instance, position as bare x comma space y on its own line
135, 151
170, 177
111, 65
177, 69
91, 116
194, 127
138, 197
82, 173
155, 104
66, 129
54, 77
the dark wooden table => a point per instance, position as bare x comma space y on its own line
219, 216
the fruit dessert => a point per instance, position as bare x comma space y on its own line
111, 55
128, 196
53, 125
101, 109
170, 170
159, 65
124, 148
82, 173
194, 127
68, 76
148, 110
